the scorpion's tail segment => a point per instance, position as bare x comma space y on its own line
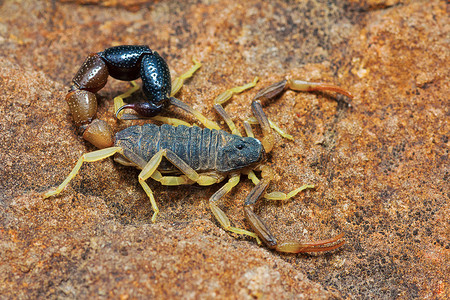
206, 122
88, 157
92, 75
269, 239
300, 85
124, 62
82, 105
156, 81
99, 134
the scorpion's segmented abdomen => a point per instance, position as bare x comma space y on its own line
197, 147
124, 61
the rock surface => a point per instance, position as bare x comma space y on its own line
379, 162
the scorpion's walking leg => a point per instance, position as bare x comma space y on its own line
269, 239
221, 217
225, 96
88, 157
150, 170
177, 83
268, 172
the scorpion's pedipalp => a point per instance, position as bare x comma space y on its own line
306, 86
226, 117
261, 229
268, 139
316, 246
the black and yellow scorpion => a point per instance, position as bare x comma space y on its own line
175, 155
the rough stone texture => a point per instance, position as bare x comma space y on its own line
380, 162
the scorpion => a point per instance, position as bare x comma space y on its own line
178, 154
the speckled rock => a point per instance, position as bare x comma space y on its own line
379, 161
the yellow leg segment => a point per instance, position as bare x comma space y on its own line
150, 170
88, 157
207, 123
278, 195
171, 180
274, 126
221, 217
225, 96
284, 196
170, 121
178, 82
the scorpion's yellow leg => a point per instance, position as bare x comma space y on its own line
171, 180
221, 217
205, 121
178, 82
276, 195
88, 157
150, 170
274, 126
225, 96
